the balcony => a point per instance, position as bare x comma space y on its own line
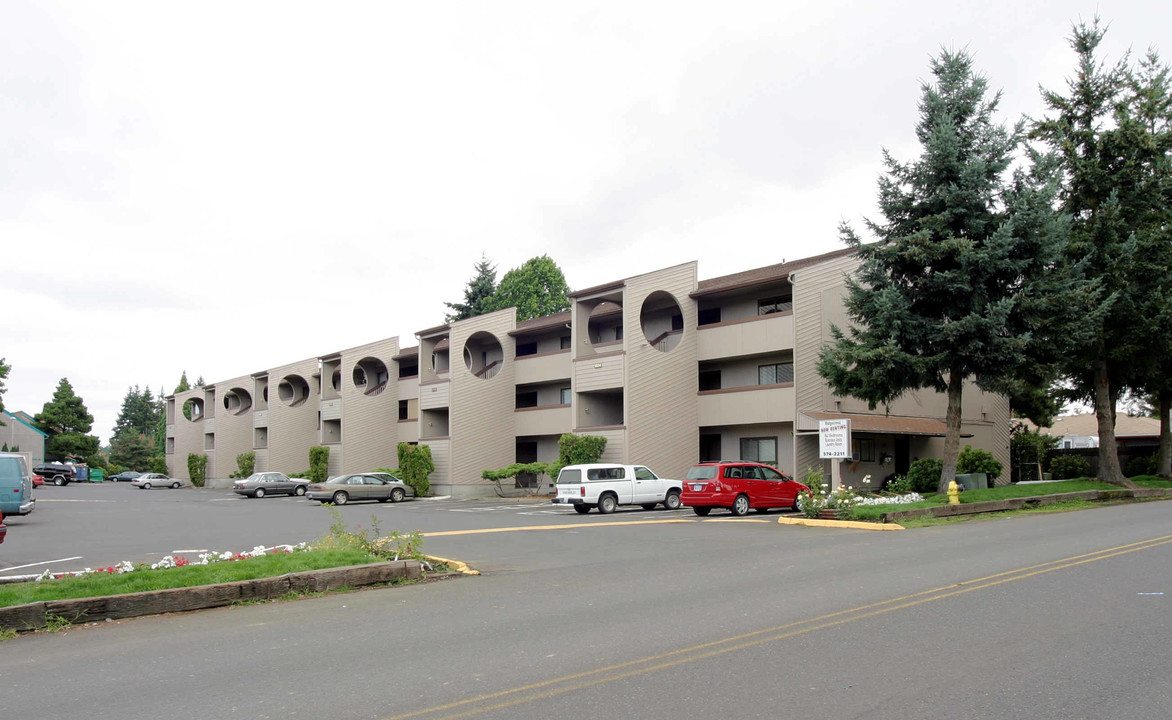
546, 420
434, 395
756, 335
755, 404
331, 409
542, 367
260, 418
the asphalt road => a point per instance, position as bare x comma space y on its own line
649, 615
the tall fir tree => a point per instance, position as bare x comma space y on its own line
942, 296
477, 293
67, 423
1110, 132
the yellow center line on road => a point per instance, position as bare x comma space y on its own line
621, 671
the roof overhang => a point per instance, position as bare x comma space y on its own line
876, 424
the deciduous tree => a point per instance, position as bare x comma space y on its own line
537, 288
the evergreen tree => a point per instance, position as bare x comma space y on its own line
183, 385
942, 296
477, 293
67, 422
4, 370
139, 414
1111, 133
536, 289
132, 450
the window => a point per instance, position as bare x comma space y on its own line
762, 450
775, 373
781, 303
403, 409
865, 449
642, 473
529, 348
618, 332
677, 322
565, 396
708, 316
565, 340
709, 380
526, 399
407, 369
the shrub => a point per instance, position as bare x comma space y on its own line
899, 484
319, 463
246, 462
512, 471
1027, 450
1065, 467
416, 463
579, 449
158, 464
975, 460
197, 467
1145, 465
924, 475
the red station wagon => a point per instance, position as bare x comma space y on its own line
739, 486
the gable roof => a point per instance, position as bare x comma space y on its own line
22, 421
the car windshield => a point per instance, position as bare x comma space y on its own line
702, 472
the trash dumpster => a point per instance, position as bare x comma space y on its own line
81, 473
97, 475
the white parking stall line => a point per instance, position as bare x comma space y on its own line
46, 562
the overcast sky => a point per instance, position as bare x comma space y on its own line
223, 187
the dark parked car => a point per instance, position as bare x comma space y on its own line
127, 475
344, 488
269, 483
739, 486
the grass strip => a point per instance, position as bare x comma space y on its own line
148, 580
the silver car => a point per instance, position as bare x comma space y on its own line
269, 483
146, 481
364, 486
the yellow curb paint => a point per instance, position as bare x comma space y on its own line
839, 524
459, 566
552, 527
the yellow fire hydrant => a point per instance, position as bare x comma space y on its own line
953, 493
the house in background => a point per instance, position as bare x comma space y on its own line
18, 431
1082, 431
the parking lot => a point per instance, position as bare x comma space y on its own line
97, 524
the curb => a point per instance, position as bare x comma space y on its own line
32, 616
456, 564
850, 524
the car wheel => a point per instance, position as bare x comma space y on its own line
175, 486
397, 495
672, 501
341, 498
299, 490
259, 492
581, 509
702, 511
59, 481
797, 504
740, 506
648, 506
146, 486
606, 504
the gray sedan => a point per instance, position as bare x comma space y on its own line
370, 486
269, 483
147, 481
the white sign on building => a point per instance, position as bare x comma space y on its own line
834, 439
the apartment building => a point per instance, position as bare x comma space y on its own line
670, 369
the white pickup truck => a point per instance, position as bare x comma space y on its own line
607, 486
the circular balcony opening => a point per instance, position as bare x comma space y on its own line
293, 390
483, 355
662, 321
237, 401
605, 328
193, 409
336, 380
371, 375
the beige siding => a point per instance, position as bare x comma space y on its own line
188, 435
763, 405
370, 422
600, 373
481, 435
292, 429
543, 368
662, 415
542, 421
757, 335
232, 427
435, 395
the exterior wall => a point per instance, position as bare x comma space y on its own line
370, 423
730, 441
480, 437
661, 415
187, 434
16, 433
751, 336
233, 426
293, 429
